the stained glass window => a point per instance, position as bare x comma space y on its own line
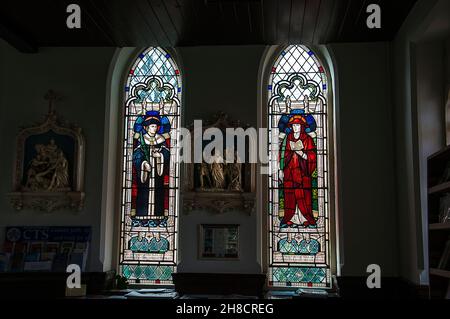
150, 171
299, 243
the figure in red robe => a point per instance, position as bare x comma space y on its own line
299, 158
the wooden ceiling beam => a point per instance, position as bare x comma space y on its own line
16, 38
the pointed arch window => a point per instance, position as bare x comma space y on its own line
299, 218
150, 169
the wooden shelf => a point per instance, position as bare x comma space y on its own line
438, 232
439, 188
443, 152
440, 272
440, 226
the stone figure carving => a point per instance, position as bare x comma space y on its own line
205, 176
60, 178
220, 174
217, 172
234, 172
48, 170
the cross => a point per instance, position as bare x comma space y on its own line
52, 97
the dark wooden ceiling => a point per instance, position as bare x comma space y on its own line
28, 26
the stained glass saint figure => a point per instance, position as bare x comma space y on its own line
298, 162
150, 169
151, 156
299, 171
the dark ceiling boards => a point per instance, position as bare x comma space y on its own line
28, 26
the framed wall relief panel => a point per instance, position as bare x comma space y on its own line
227, 181
218, 241
49, 166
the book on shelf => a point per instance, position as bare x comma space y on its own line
444, 208
18, 247
17, 260
48, 256
78, 258
81, 246
33, 262
60, 262
51, 247
444, 262
446, 174
36, 247
66, 247
32, 256
8, 247
79, 254
4, 262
